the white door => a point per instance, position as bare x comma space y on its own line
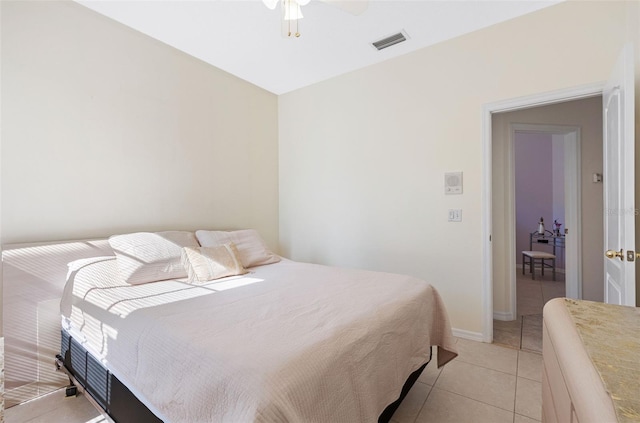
619, 183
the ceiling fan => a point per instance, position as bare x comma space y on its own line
292, 12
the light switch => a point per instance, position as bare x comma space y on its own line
455, 215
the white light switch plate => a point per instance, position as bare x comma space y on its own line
455, 215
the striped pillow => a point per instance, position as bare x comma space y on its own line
208, 263
151, 256
252, 249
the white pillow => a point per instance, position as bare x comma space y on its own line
148, 257
205, 264
251, 247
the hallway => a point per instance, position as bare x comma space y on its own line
526, 331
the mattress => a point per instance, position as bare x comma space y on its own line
287, 342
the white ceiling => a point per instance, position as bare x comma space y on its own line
243, 37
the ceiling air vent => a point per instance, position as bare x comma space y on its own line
390, 41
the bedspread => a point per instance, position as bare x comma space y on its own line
289, 341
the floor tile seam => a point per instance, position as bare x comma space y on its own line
522, 415
491, 368
423, 383
516, 397
492, 346
521, 332
35, 413
436, 379
515, 394
415, 419
477, 400
530, 380
510, 347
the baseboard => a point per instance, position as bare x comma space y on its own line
466, 334
505, 316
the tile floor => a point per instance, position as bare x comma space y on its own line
526, 331
491, 383
486, 383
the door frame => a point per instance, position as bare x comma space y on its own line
572, 199
551, 97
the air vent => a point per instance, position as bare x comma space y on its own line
390, 41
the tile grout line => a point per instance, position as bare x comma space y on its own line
521, 331
515, 394
478, 401
491, 368
425, 400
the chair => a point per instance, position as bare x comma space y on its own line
542, 257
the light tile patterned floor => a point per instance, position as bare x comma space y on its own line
489, 383
526, 331
54, 407
486, 383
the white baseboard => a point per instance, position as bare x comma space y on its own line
504, 316
466, 334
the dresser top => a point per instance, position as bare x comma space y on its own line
611, 337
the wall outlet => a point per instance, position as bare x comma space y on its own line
455, 215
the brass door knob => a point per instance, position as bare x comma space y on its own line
613, 254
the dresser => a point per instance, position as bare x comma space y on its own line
591, 362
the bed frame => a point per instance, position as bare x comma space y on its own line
121, 405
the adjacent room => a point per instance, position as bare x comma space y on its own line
543, 141
317, 210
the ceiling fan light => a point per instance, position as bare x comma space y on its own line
291, 10
291, 28
271, 4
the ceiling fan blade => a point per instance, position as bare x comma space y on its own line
355, 7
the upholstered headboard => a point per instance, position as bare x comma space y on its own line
33, 279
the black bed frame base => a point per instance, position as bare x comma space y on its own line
121, 405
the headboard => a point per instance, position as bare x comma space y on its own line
33, 279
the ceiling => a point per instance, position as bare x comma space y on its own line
243, 37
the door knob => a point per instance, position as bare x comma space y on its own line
613, 254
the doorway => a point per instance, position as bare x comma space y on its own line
544, 181
577, 113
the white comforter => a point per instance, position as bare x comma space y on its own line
288, 342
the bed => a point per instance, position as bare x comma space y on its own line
282, 341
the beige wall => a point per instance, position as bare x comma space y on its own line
587, 115
362, 156
105, 130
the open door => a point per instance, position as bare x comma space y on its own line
619, 183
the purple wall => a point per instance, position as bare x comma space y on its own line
534, 185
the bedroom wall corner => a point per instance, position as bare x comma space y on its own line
106, 130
